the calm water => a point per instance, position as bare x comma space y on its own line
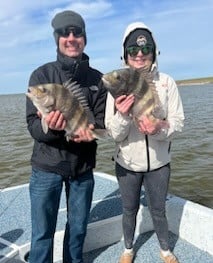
192, 163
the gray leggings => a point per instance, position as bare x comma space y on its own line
156, 188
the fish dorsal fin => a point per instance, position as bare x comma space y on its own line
77, 92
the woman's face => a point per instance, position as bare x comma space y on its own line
140, 60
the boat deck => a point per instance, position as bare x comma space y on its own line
103, 243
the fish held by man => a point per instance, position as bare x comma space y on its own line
70, 101
138, 82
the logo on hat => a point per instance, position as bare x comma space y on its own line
141, 40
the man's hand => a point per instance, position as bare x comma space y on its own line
84, 135
123, 103
55, 120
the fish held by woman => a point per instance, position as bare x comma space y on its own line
138, 82
70, 101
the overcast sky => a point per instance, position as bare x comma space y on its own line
182, 29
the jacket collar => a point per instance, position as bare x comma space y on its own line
73, 68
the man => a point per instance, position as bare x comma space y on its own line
54, 160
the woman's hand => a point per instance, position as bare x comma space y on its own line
123, 103
148, 126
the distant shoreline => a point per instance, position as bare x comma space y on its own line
180, 83
199, 81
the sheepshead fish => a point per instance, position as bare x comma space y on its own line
69, 100
140, 83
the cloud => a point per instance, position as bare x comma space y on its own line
182, 30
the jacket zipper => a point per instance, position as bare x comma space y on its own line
147, 153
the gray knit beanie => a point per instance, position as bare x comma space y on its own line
65, 19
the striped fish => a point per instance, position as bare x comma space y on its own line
68, 99
138, 82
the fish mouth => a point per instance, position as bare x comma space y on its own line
31, 90
106, 82
34, 91
29, 93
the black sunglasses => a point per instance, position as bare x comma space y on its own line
65, 32
146, 49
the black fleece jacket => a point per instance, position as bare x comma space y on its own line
51, 151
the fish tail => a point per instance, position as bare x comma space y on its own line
100, 134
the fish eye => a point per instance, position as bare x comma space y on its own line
115, 74
118, 77
43, 89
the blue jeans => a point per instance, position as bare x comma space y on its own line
45, 193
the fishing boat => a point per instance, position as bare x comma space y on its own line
190, 227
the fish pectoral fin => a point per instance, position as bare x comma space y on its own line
44, 126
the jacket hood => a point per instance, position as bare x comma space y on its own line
130, 28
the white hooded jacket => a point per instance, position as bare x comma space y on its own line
134, 150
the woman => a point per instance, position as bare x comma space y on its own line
143, 153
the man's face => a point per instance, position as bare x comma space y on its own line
71, 45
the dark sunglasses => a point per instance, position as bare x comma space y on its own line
65, 32
133, 51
